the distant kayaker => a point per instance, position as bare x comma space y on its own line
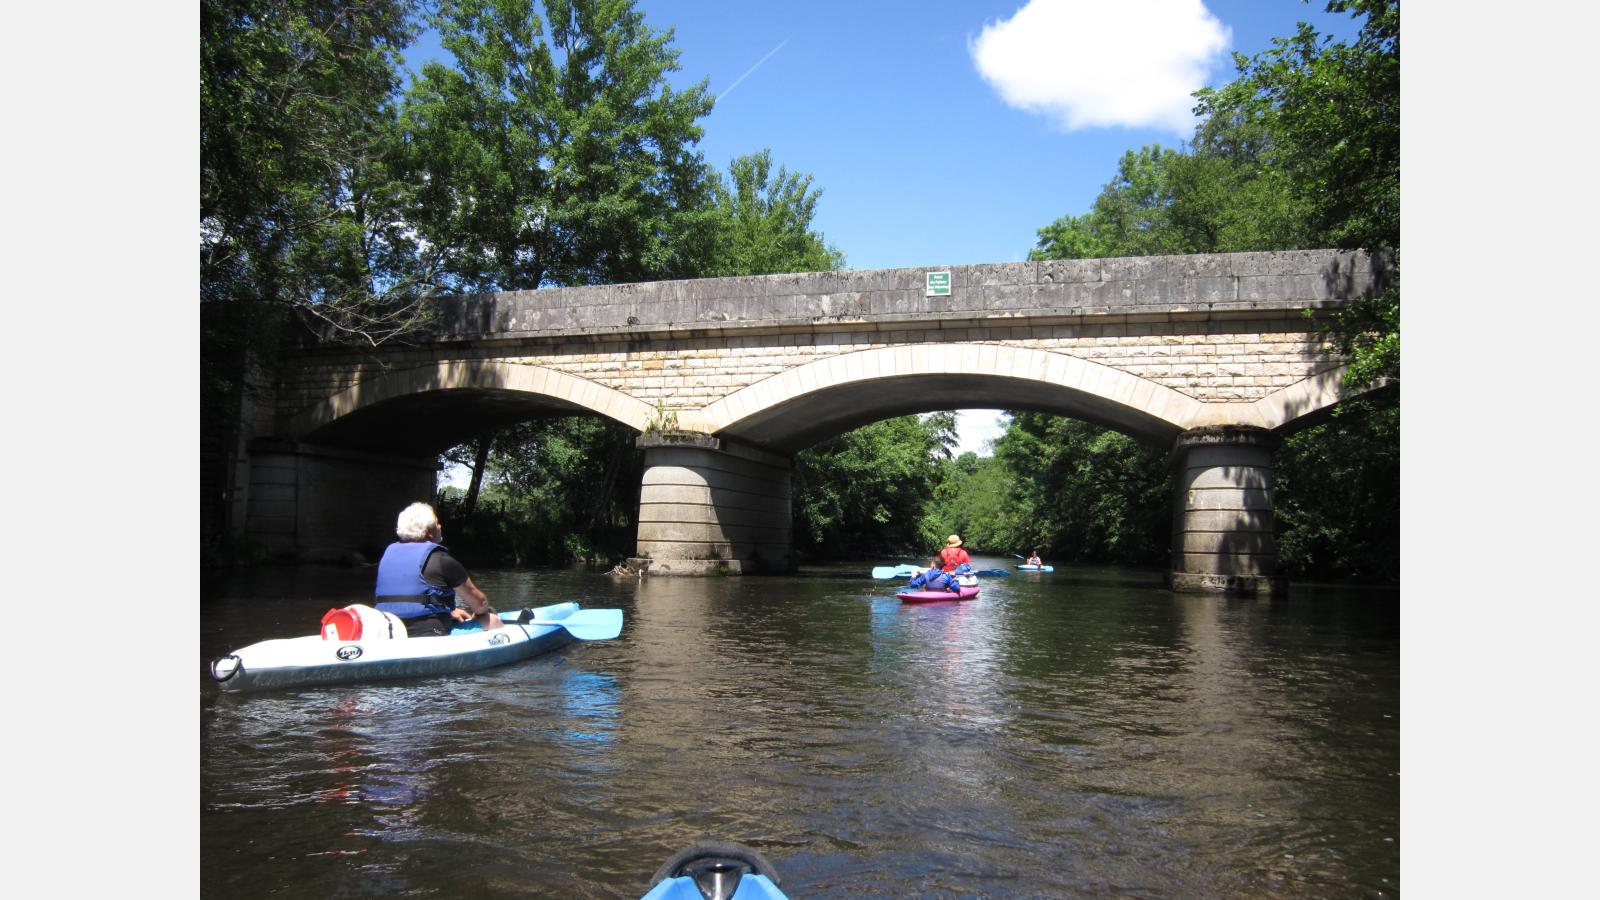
934, 578
952, 554
420, 582
1033, 559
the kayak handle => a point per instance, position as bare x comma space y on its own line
236, 668
716, 867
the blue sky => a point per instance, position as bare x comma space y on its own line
947, 132
923, 158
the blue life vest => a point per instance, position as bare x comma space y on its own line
936, 580
401, 589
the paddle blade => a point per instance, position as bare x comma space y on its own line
993, 573
884, 572
588, 624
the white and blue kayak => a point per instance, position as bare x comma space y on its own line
319, 659
716, 870
1027, 568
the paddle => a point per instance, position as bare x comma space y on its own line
993, 573
585, 624
893, 571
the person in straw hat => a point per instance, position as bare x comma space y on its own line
952, 554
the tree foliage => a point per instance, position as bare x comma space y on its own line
556, 490
1327, 115
553, 151
298, 197
1336, 497
762, 222
1084, 493
864, 492
974, 498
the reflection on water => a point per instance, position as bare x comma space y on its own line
1077, 734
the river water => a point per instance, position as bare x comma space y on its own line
1077, 734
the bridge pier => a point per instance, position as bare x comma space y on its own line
1222, 531
709, 507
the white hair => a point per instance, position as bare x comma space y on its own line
415, 522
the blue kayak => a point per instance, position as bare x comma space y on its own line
716, 870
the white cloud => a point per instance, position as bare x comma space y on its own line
1104, 63
976, 429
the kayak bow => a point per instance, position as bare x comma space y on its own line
716, 870
967, 593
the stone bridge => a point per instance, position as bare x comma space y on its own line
1211, 356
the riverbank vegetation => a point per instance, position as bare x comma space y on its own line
550, 150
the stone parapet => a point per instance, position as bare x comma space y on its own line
1223, 282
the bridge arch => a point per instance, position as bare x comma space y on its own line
486, 392
793, 409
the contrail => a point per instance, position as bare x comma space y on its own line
752, 69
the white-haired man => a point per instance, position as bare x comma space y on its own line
420, 582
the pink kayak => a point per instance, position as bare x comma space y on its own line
967, 593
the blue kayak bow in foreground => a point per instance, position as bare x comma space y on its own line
716, 870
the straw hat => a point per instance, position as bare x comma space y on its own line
953, 540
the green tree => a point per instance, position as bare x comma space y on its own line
554, 490
1166, 202
1328, 117
298, 203
762, 223
1332, 111
863, 493
974, 498
554, 152
1336, 489
1097, 495
1130, 217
